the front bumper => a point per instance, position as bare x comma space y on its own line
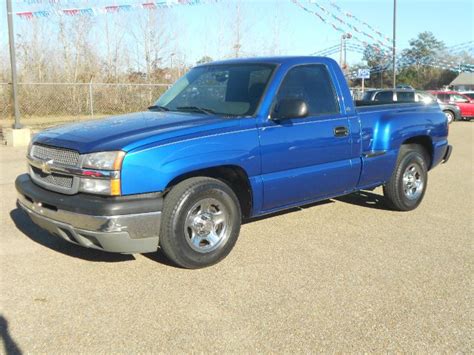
126, 224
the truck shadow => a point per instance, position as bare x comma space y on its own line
287, 211
365, 199
161, 258
360, 198
44, 238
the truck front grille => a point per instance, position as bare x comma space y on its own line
63, 181
58, 155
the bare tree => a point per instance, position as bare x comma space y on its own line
152, 41
237, 45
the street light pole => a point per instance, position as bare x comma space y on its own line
394, 51
11, 40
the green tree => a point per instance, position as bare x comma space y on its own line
417, 64
423, 48
377, 61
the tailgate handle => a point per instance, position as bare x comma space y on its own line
341, 131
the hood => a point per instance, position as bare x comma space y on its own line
127, 132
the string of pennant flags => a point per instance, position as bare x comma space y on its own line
93, 11
336, 26
351, 26
379, 44
356, 19
402, 62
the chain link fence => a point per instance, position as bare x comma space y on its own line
47, 104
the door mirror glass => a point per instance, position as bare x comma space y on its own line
290, 108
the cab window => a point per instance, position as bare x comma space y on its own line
312, 84
384, 96
405, 96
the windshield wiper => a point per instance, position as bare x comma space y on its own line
158, 107
207, 111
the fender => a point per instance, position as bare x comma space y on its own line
392, 129
159, 165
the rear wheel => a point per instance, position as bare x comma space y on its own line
200, 222
406, 188
449, 116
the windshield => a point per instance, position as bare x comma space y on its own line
469, 94
229, 90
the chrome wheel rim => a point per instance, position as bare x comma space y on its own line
413, 182
207, 225
449, 116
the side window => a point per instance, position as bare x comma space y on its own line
458, 98
312, 84
407, 96
384, 96
367, 96
443, 97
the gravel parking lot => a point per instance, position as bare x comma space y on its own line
341, 275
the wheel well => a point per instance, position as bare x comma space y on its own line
234, 176
450, 111
425, 142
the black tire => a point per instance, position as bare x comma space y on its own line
450, 116
176, 242
412, 160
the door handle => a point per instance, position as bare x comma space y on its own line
341, 131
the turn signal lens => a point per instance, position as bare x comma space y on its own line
115, 187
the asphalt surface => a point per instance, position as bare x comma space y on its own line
343, 275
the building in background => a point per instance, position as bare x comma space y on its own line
463, 82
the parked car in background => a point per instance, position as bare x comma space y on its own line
463, 101
451, 111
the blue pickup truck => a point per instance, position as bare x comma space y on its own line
229, 141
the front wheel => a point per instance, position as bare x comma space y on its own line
200, 222
406, 188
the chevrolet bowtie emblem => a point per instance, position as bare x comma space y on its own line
46, 166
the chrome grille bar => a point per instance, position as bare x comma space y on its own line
62, 156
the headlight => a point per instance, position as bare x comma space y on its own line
103, 160
104, 176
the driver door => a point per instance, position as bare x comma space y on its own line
308, 158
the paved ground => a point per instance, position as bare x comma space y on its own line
344, 275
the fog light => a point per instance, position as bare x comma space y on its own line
100, 186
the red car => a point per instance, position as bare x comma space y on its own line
464, 102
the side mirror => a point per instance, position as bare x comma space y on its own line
290, 108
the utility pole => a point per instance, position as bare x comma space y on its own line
343, 51
171, 66
394, 51
11, 40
